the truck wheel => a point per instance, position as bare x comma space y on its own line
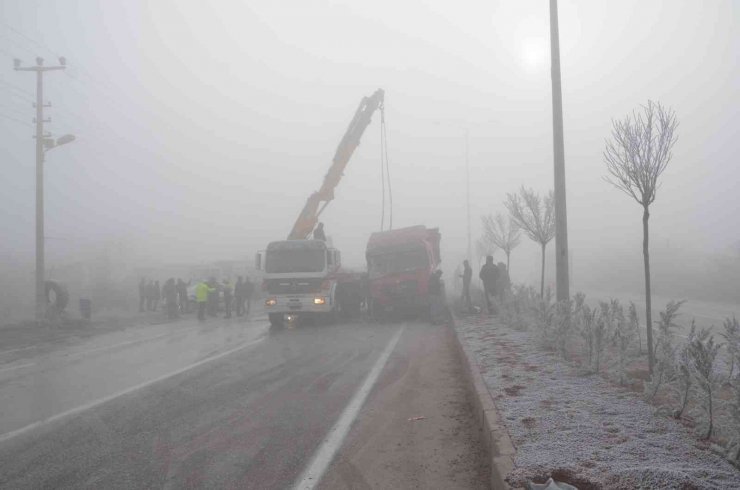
277, 320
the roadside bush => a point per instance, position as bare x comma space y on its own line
664, 350
563, 326
733, 446
544, 312
624, 333
635, 324
601, 333
683, 377
731, 335
702, 353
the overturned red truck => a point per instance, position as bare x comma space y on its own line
399, 265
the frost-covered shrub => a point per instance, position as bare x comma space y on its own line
601, 330
731, 335
733, 446
563, 326
683, 378
635, 324
664, 351
544, 312
517, 304
624, 333
702, 352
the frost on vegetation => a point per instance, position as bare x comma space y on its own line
544, 311
733, 447
706, 382
624, 333
635, 325
563, 326
601, 333
664, 350
731, 334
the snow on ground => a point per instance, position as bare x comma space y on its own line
582, 428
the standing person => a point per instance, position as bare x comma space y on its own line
228, 296
489, 274
142, 294
169, 292
503, 283
156, 295
213, 296
182, 296
150, 295
202, 291
239, 296
318, 233
248, 293
467, 275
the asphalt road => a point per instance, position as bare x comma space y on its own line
235, 405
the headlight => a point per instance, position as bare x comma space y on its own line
319, 301
270, 302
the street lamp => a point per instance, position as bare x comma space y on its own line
50, 143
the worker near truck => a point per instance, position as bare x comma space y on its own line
202, 291
467, 275
489, 274
228, 296
318, 233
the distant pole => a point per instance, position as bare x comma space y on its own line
467, 187
561, 218
40, 69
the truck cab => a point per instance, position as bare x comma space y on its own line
300, 278
399, 265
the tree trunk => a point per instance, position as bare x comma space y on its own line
648, 302
542, 275
508, 269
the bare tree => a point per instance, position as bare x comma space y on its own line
536, 217
503, 233
639, 151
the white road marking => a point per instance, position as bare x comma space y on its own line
325, 454
100, 401
19, 366
18, 349
119, 344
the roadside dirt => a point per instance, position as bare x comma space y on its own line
416, 430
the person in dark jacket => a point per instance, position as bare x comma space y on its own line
228, 290
467, 275
169, 292
156, 295
489, 274
142, 294
213, 297
318, 233
182, 295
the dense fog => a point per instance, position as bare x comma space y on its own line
202, 127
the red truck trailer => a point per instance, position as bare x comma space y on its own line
399, 264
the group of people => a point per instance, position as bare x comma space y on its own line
208, 295
495, 279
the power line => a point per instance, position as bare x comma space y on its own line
19, 121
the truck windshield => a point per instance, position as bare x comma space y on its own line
397, 261
295, 260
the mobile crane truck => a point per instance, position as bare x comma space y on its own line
304, 277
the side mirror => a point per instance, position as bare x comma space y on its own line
258, 261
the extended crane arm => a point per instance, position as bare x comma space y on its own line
309, 216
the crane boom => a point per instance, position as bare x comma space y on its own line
309, 216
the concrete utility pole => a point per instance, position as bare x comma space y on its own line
40, 138
562, 287
467, 188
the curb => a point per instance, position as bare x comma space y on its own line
501, 451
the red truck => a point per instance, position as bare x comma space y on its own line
399, 264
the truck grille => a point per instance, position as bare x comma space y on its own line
293, 286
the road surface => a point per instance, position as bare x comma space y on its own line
232, 404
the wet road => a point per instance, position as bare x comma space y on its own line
185, 405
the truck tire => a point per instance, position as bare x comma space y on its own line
277, 320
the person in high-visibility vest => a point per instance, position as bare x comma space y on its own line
202, 290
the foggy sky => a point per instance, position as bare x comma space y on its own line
202, 127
